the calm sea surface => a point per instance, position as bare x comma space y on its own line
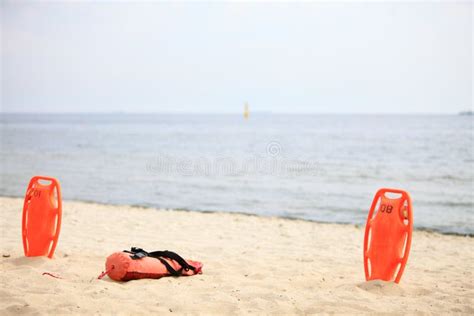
317, 167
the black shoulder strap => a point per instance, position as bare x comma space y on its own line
173, 256
170, 269
138, 253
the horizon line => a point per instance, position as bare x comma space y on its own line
241, 113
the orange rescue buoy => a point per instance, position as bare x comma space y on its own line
388, 235
41, 221
140, 264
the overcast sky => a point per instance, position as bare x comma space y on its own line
206, 57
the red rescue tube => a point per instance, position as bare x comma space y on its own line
120, 266
388, 234
41, 220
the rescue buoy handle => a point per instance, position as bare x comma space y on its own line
382, 191
36, 178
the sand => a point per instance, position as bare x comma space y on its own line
252, 265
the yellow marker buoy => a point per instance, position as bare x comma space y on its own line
246, 111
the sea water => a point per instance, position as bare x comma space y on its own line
316, 167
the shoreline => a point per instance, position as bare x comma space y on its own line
252, 264
145, 206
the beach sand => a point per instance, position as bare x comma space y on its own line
251, 265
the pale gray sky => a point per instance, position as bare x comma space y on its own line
361, 57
